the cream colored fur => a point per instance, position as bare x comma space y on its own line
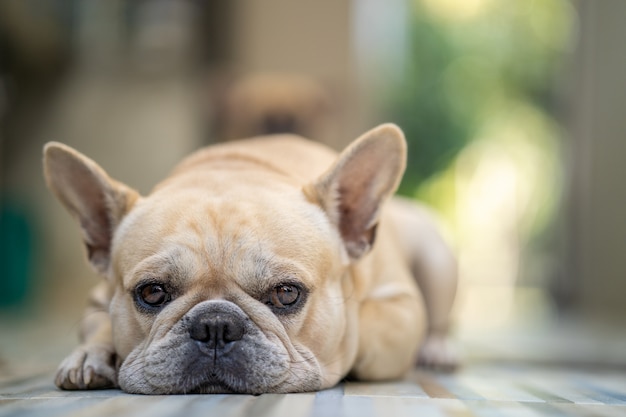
233, 224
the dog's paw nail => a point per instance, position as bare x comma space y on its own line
87, 375
72, 376
60, 378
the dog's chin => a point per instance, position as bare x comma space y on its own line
219, 383
221, 388
223, 384
214, 389
194, 385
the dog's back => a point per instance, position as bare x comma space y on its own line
295, 157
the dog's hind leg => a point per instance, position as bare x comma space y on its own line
434, 267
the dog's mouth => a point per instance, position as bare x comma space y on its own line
214, 388
216, 383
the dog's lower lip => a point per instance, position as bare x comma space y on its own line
214, 381
213, 388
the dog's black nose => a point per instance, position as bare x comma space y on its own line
217, 330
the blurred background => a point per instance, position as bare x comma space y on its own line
514, 113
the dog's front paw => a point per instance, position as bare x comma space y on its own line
89, 366
438, 352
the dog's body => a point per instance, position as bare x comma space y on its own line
253, 268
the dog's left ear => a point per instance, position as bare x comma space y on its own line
353, 190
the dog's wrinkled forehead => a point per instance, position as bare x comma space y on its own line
223, 238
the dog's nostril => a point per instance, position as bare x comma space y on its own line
233, 332
217, 330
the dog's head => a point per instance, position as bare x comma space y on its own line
230, 280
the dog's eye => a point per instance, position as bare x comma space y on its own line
154, 295
284, 296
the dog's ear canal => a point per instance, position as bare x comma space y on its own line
364, 176
95, 200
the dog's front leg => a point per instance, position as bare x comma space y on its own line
390, 332
92, 364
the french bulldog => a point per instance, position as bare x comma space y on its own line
267, 265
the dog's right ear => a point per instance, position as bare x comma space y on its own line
95, 200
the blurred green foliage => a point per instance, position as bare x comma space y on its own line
468, 62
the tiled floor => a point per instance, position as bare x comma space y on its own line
477, 390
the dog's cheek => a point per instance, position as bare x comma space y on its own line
325, 341
329, 331
128, 329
